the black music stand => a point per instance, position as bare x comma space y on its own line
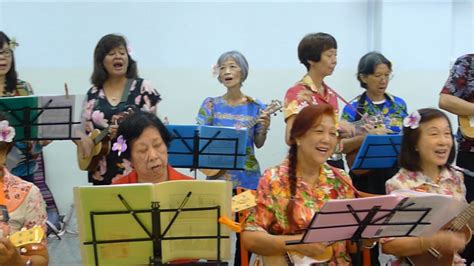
40, 117
378, 151
210, 147
149, 225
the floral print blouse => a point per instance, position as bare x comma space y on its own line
25, 205
217, 112
273, 196
393, 111
460, 83
97, 114
450, 183
305, 93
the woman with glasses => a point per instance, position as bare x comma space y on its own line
234, 109
382, 111
23, 156
384, 114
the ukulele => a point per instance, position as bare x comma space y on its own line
272, 108
28, 236
458, 224
101, 140
466, 126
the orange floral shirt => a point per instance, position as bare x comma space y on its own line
273, 196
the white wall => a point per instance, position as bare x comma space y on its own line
175, 45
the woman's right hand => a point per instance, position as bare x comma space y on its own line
446, 242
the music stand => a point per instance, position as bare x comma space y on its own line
404, 213
378, 151
212, 147
41, 117
118, 226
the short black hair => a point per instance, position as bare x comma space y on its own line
409, 158
132, 127
103, 47
368, 63
11, 76
313, 45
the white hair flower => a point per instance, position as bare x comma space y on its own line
7, 133
412, 121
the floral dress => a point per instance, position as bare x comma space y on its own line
97, 114
25, 205
450, 183
217, 112
273, 196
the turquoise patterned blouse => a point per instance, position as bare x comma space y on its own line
217, 112
393, 110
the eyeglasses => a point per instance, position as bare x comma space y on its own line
6, 52
381, 76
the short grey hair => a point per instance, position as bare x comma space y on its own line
239, 59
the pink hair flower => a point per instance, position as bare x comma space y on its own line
412, 121
120, 145
7, 133
130, 51
215, 70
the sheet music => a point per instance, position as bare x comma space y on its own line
139, 196
68, 110
204, 194
336, 222
443, 209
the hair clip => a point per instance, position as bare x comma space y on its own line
120, 145
413, 120
7, 133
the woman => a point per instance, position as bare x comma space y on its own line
25, 208
23, 156
235, 109
427, 152
290, 194
116, 87
318, 53
374, 73
143, 143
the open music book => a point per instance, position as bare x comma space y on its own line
170, 195
404, 212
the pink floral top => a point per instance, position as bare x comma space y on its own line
273, 196
97, 114
25, 205
305, 93
450, 183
